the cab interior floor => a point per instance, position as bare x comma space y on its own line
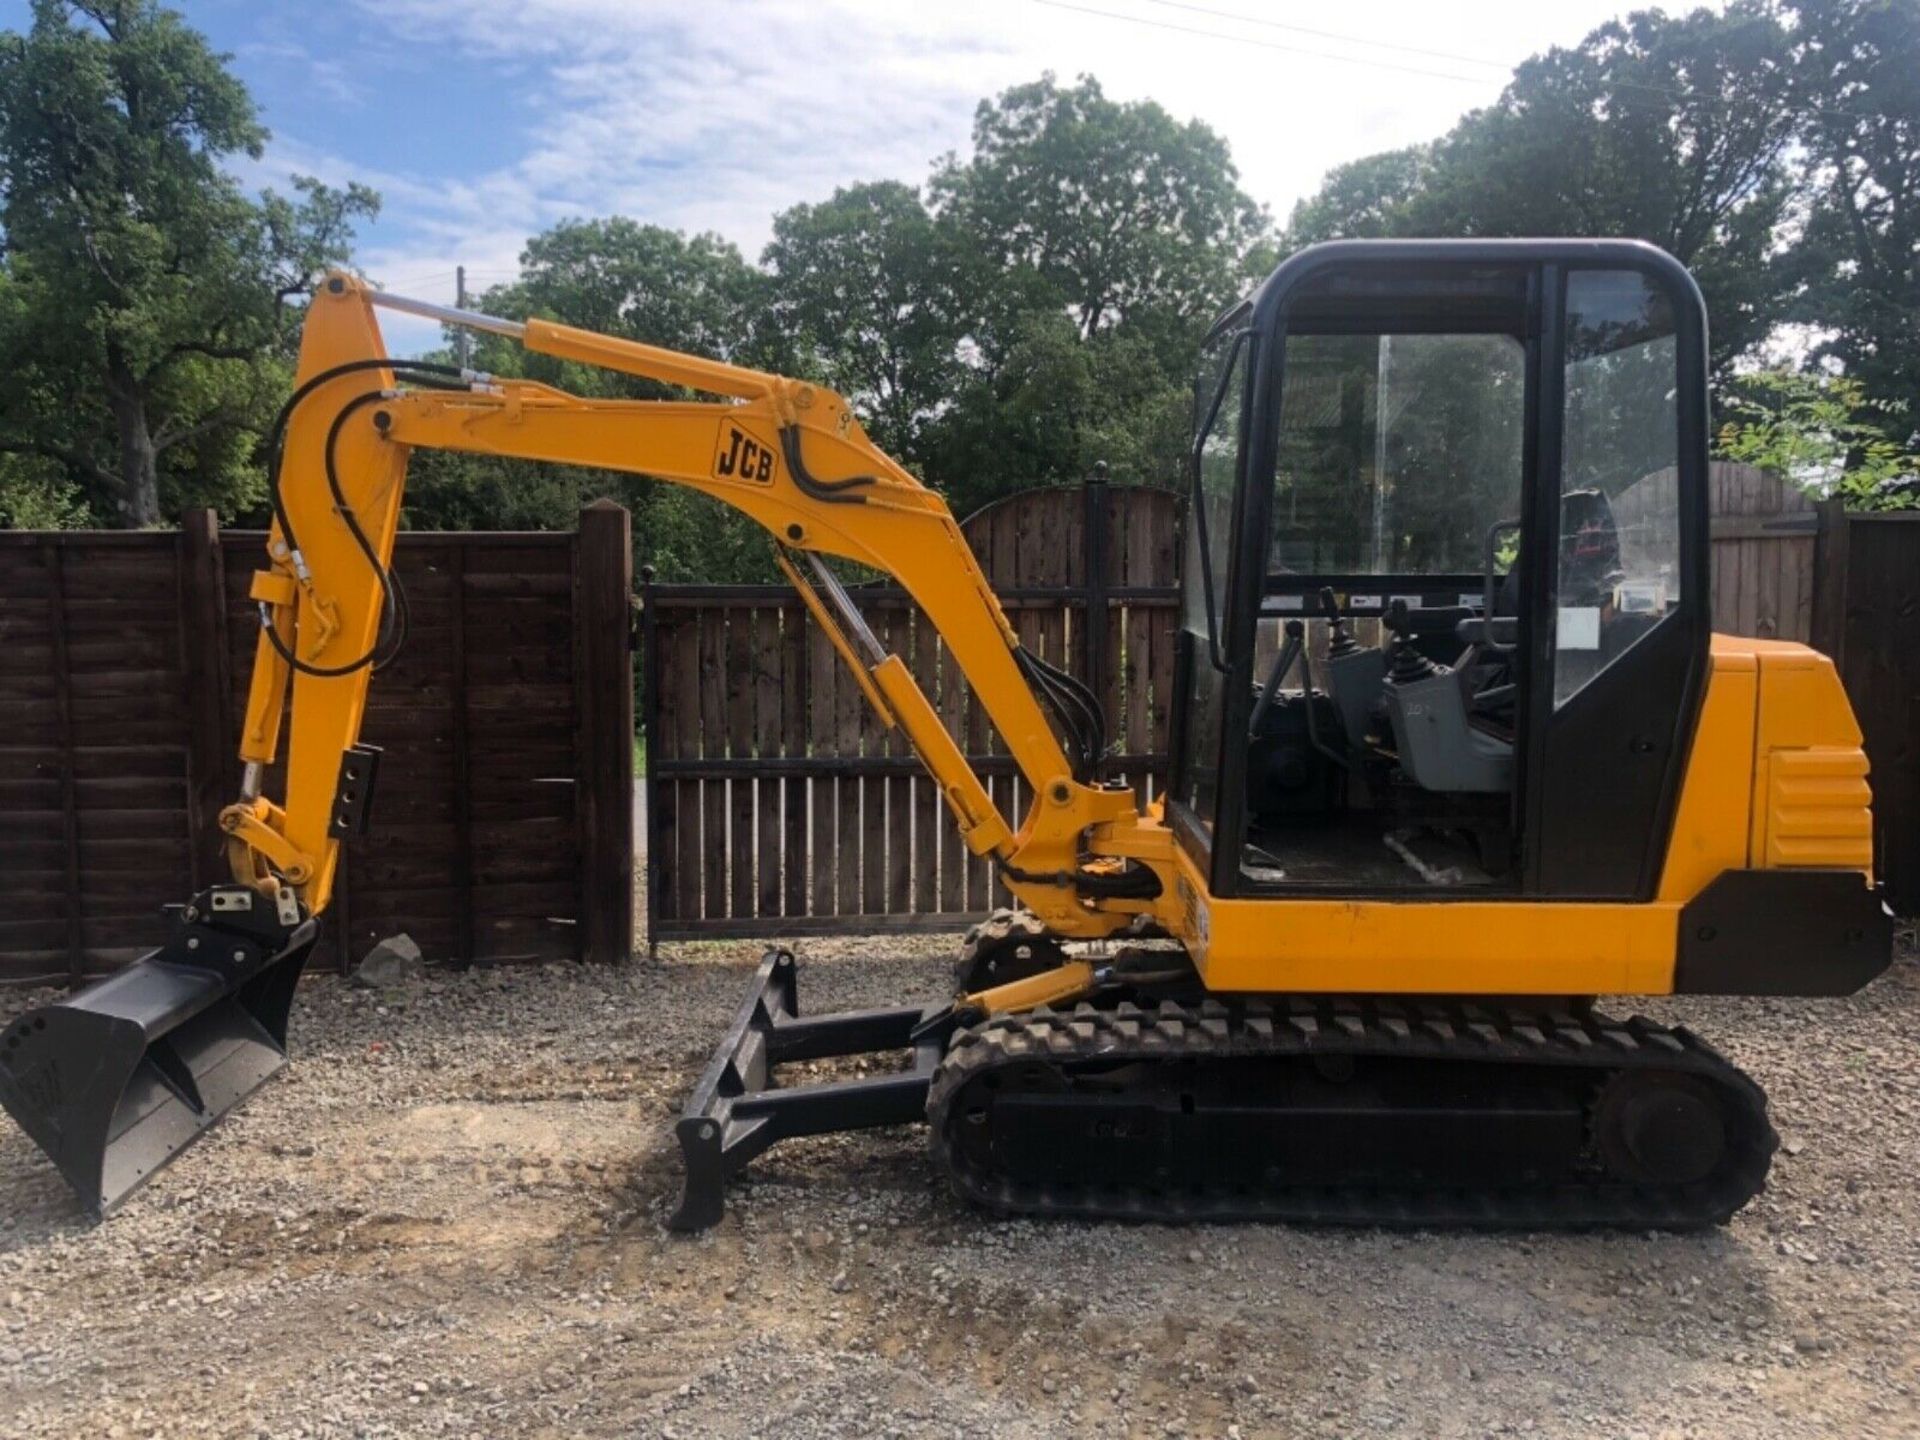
1359, 851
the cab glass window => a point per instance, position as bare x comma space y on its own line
1618, 571
1396, 452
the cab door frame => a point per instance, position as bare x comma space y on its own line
1603, 768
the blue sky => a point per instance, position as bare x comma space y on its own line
484, 121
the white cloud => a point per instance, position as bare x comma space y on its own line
715, 115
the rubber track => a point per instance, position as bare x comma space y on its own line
1406, 1030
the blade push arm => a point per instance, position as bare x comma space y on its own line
786, 453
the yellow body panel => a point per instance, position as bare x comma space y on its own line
1811, 805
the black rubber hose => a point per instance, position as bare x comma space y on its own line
426, 370
1072, 720
394, 613
393, 609
1084, 697
1069, 693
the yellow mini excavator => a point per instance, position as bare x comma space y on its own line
1343, 968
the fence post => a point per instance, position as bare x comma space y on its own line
460, 718
55, 559
649, 729
1828, 625
603, 698
205, 666
1094, 617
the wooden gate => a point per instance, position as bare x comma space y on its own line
777, 805
1765, 531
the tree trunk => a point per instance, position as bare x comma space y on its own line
139, 497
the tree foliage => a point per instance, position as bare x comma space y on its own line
144, 300
872, 290
1826, 433
1033, 307
1032, 313
1669, 129
639, 282
1857, 64
1773, 147
1128, 217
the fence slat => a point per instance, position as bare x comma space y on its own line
899, 892
741, 701
849, 707
208, 688
765, 656
794, 676
713, 745
822, 739
925, 899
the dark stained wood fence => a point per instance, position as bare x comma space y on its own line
1867, 617
778, 805
502, 827
1764, 530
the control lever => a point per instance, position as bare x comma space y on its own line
1294, 651
1405, 662
1340, 639
1282, 663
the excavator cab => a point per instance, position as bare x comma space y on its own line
1444, 622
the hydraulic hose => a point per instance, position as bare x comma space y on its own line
394, 610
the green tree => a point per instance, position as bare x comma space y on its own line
1366, 199
640, 282
144, 307
872, 289
1125, 215
1824, 433
1858, 99
1054, 406
1676, 130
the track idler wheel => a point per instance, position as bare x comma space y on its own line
1008, 945
1660, 1127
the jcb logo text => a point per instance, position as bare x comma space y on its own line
744, 457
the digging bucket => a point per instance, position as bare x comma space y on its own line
115, 1080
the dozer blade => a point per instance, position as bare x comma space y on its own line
115, 1080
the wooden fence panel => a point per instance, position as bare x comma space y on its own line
816, 817
124, 661
1869, 607
1764, 532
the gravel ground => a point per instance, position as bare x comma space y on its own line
446, 1219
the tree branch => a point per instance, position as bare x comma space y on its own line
207, 348
62, 453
